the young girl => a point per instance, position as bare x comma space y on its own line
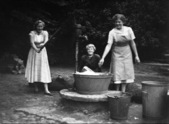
37, 68
121, 41
90, 60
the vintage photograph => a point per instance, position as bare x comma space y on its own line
84, 62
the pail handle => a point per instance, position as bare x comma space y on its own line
115, 97
119, 96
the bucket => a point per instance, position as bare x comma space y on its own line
92, 84
154, 98
119, 105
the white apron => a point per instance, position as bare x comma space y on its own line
122, 62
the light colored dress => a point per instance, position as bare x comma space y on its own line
121, 61
37, 68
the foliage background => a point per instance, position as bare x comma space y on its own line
148, 18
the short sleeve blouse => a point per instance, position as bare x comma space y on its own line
43, 36
126, 32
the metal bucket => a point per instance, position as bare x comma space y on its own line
92, 84
154, 97
119, 105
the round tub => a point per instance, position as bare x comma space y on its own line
96, 83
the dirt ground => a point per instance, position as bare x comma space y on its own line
19, 104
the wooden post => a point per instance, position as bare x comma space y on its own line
78, 34
76, 56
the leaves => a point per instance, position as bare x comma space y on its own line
148, 19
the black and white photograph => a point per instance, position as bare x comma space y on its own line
84, 62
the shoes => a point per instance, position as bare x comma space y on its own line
49, 94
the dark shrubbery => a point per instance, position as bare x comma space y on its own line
148, 19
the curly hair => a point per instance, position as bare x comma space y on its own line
119, 16
90, 45
39, 22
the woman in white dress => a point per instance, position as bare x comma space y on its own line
121, 41
37, 68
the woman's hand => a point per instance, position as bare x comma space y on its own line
37, 50
40, 45
137, 59
101, 62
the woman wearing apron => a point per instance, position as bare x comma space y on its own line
121, 41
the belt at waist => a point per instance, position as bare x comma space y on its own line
121, 44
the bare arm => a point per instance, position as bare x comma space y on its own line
46, 38
33, 44
106, 51
134, 48
133, 45
107, 48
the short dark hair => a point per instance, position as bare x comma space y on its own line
119, 16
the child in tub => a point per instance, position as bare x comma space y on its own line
90, 61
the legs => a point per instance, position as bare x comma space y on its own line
45, 85
46, 88
123, 87
117, 87
47, 92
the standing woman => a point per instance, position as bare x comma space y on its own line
121, 42
37, 68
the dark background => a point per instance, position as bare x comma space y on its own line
148, 18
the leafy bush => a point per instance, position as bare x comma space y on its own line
148, 19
